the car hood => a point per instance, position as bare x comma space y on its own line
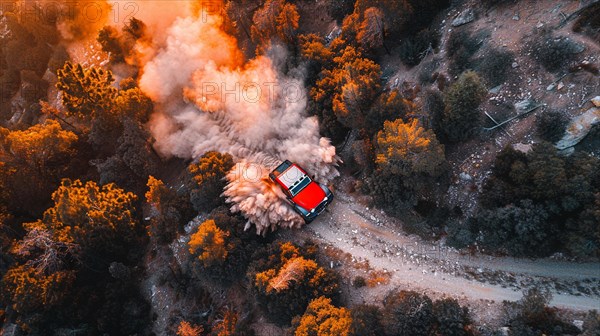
311, 196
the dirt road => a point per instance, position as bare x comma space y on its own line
369, 235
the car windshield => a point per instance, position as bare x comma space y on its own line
294, 190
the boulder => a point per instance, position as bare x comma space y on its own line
578, 128
464, 17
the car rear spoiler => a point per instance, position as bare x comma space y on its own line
280, 169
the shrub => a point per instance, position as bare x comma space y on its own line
425, 12
366, 320
523, 229
548, 200
459, 234
554, 53
460, 38
532, 316
588, 22
460, 47
414, 48
551, 125
388, 191
339, 9
591, 324
433, 106
461, 117
495, 66
359, 282
427, 73
408, 313
452, 319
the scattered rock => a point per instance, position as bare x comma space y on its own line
521, 147
577, 47
596, 101
465, 176
516, 17
333, 34
524, 105
496, 89
515, 65
464, 18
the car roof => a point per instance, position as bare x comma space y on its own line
291, 176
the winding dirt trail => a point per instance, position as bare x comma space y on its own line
369, 235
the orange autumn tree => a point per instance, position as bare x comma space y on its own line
32, 162
86, 93
407, 148
293, 270
187, 329
44, 251
324, 319
371, 31
409, 162
99, 108
390, 105
352, 85
40, 147
227, 325
157, 192
290, 278
276, 19
5, 230
207, 180
287, 22
165, 218
33, 291
396, 13
133, 103
100, 219
312, 47
210, 244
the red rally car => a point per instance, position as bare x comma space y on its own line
309, 198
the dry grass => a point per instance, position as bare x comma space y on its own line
334, 254
378, 278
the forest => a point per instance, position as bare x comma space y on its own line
120, 171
